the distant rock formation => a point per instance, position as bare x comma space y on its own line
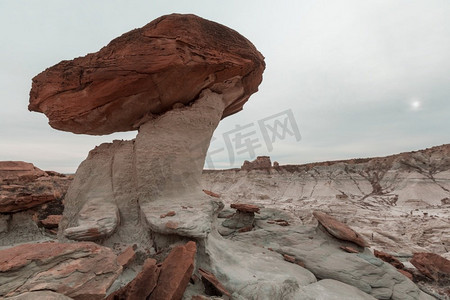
261, 162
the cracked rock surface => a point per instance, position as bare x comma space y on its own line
77, 270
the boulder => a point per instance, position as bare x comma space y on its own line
127, 256
338, 229
176, 271
77, 270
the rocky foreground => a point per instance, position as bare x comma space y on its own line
286, 232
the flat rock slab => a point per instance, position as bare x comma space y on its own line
78, 270
15, 170
193, 220
176, 271
97, 219
321, 255
251, 272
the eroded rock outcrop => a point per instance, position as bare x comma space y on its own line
260, 163
23, 186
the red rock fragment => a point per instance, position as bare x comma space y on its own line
127, 256
300, 263
406, 273
349, 249
246, 229
338, 229
212, 194
213, 287
389, 259
282, 222
52, 221
141, 286
289, 258
172, 225
433, 266
246, 208
169, 214
176, 270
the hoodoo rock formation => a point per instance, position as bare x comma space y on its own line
174, 80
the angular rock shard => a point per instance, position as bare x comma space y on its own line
176, 270
213, 287
145, 72
141, 286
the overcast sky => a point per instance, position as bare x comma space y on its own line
357, 78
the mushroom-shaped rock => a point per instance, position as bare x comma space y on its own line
173, 80
338, 229
243, 219
145, 72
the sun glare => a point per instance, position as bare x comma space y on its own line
415, 104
